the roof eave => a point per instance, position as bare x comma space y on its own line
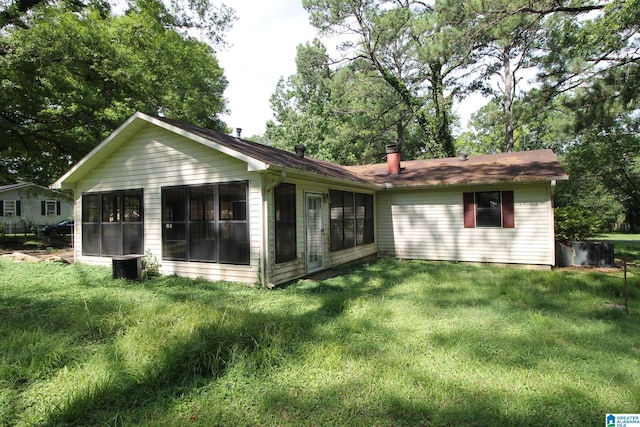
77, 171
393, 186
313, 176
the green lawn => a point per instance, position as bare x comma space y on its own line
388, 344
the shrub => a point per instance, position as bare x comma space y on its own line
575, 223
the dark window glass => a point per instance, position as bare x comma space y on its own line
233, 201
112, 223
90, 208
90, 238
234, 243
174, 241
202, 241
349, 220
174, 226
111, 207
285, 222
193, 232
364, 219
173, 204
352, 219
336, 220
202, 203
488, 209
111, 235
132, 206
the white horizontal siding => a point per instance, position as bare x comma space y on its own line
30, 199
156, 158
430, 225
284, 272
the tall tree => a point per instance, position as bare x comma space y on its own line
70, 77
410, 49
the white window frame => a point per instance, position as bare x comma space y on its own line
50, 207
10, 207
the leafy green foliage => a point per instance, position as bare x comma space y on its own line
575, 223
70, 77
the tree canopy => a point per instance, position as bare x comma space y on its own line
71, 73
556, 74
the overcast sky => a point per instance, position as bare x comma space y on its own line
262, 49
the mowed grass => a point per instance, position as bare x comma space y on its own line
386, 344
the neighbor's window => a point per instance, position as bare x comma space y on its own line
489, 209
10, 208
284, 196
50, 207
351, 219
112, 223
207, 223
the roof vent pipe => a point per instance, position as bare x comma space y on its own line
300, 149
393, 159
462, 156
238, 132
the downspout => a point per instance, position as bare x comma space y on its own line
552, 193
266, 259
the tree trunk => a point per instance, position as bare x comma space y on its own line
508, 100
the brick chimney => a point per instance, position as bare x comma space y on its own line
393, 159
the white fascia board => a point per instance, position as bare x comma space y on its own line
60, 182
252, 164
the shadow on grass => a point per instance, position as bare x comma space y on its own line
201, 330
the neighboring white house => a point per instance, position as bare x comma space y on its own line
211, 205
26, 205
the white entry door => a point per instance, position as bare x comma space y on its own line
315, 232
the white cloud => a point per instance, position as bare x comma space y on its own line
262, 49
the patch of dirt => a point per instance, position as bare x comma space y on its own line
65, 253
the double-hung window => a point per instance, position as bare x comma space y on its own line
488, 209
113, 223
206, 223
50, 207
351, 219
10, 208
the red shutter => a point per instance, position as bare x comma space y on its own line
508, 220
469, 202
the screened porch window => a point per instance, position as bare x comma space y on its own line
112, 223
284, 196
351, 219
207, 223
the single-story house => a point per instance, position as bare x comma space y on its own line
211, 205
26, 204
